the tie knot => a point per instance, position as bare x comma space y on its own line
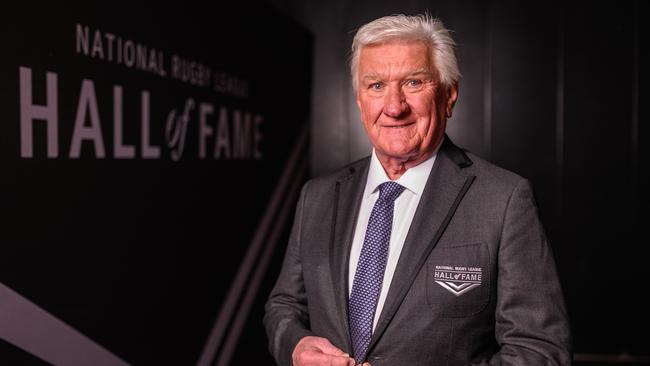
389, 191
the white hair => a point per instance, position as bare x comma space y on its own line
402, 27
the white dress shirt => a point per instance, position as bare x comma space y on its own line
414, 180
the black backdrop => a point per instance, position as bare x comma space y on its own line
138, 253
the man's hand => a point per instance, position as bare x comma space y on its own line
318, 351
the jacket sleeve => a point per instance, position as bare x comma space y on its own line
532, 325
286, 317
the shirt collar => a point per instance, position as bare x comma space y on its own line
414, 179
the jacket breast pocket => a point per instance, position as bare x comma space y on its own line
458, 279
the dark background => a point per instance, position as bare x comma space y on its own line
139, 255
551, 90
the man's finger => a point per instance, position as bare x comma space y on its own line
313, 351
327, 347
320, 358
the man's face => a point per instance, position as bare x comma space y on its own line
403, 106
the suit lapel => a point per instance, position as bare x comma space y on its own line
443, 192
347, 201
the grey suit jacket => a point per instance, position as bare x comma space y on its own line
475, 283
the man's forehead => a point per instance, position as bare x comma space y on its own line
379, 74
405, 57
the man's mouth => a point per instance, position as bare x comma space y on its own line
399, 126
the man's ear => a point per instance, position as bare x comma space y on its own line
452, 95
359, 105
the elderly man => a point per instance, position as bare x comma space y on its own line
422, 253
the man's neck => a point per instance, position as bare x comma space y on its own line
396, 167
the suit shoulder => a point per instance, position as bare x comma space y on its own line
347, 172
495, 187
490, 174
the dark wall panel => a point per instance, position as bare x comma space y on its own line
137, 251
524, 94
599, 192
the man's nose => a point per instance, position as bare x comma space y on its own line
395, 104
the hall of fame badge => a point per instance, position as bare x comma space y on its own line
458, 280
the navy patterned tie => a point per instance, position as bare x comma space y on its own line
369, 275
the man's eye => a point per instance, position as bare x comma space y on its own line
414, 83
376, 86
